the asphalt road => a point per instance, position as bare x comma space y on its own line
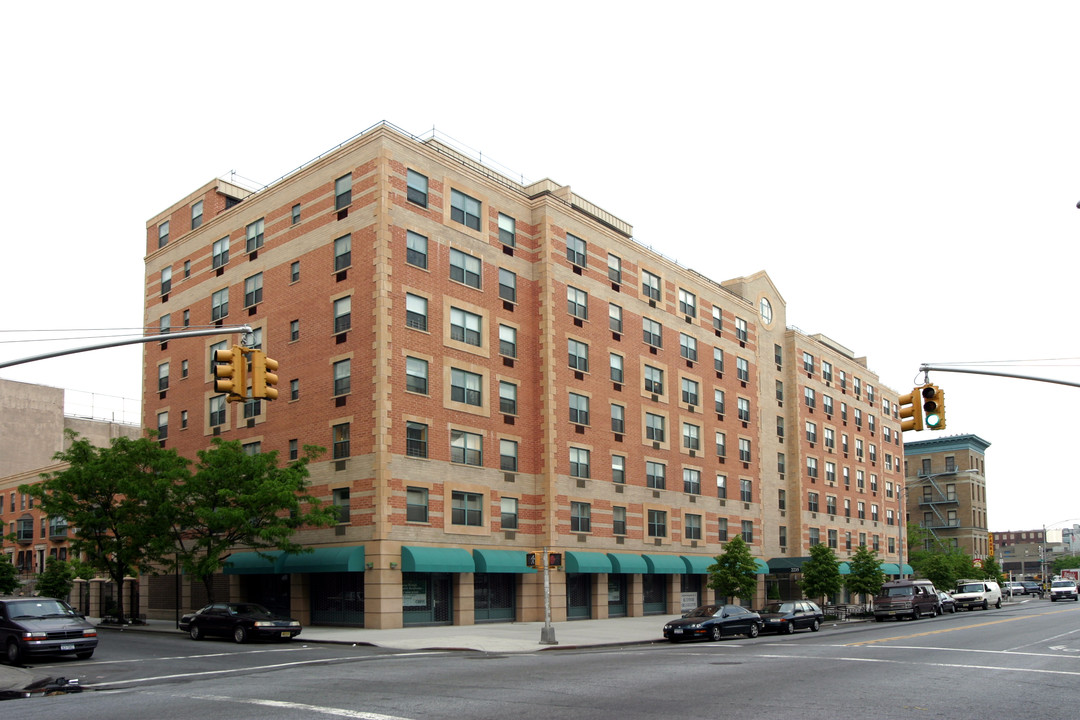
1020, 661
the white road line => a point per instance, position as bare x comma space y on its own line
1073, 673
337, 712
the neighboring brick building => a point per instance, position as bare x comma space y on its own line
497, 368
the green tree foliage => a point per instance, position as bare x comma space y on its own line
821, 573
866, 576
1065, 562
56, 580
116, 498
9, 576
734, 574
236, 499
944, 567
991, 570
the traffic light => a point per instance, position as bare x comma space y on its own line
911, 417
933, 407
263, 378
554, 559
230, 373
531, 559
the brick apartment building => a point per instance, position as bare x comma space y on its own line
497, 368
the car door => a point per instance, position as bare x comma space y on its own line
803, 616
215, 619
737, 621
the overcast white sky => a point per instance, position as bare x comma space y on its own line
907, 173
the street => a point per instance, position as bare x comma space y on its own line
1023, 658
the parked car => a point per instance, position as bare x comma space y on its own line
906, 598
971, 594
787, 617
34, 626
714, 622
1032, 588
946, 604
1013, 589
1063, 590
240, 621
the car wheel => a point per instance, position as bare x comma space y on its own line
239, 634
998, 603
952, 609
879, 619
14, 652
754, 630
789, 628
717, 632
195, 632
85, 654
815, 626
1053, 599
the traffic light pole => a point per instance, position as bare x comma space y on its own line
547, 633
946, 368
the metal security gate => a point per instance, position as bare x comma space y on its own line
616, 595
578, 596
271, 591
654, 590
426, 599
494, 597
337, 598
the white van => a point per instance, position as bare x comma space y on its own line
970, 594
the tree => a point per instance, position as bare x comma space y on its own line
821, 573
943, 568
9, 576
866, 576
734, 574
991, 570
1065, 562
56, 580
117, 499
236, 499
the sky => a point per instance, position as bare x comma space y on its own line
906, 173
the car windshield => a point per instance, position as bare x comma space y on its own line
39, 609
1062, 583
970, 587
898, 591
779, 608
250, 609
704, 611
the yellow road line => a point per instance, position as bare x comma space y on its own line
954, 629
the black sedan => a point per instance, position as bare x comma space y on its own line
948, 605
787, 617
240, 621
714, 622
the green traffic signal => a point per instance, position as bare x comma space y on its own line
933, 407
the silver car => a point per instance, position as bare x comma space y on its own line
32, 626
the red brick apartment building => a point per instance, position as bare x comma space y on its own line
497, 368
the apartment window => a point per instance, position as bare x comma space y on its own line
744, 409
719, 401
615, 362
830, 472
744, 450
618, 418
811, 467
652, 332
294, 271
580, 517
467, 509
342, 314
508, 455
614, 268
889, 517
296, 213
687, 303
466, 448
415, 312
163, 234
252, 408
692, 527
294, 389
722, 536
688, 347
294, 330
721, 444
579, 463
618, 469
507, 230
614, 318
781, 499
163, 377
815, 537
416, 249
874, 512
219, 304
618, 520
861, 509
576, 250
577, 302
746, 490
718, 360
343, 192
342, 252
342, 377
464, 268
252, 449
717, 318
740, 330
721, 486
650, 285
507, 341
748, 531
465, 327
809, 397
812, 501
163, 424
416, 505
465, 387
657, 523
826, 371
416, 442
742, 369
654, 427
654, 380
578, 355
508, 513
183, 419
253, 287
655, 475
691, 436
166, 280
808, 362
690, 391
830, 504
464, 209
417, 188
579, 409
220, 253
811, 432
507, 398
255, 235
507, 285
691, 481
340, 437
827, 404
832, 539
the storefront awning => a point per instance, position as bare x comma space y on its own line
253, 563
431, 559
845, 568
627, 564
907, 569
786, 565
762, 566
501, 561
325, 560
890, 568
587, 562
698, 564
665, 564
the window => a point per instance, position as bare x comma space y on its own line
655, 475
466, 448
166, 280
719, 401
342, 377
687, 303
507, 341
692, 527
466, 509
163, 234
781, 499
417, 188
294, 389
691, 481
811, 467
580, 517
811, 432
508, 513
722, 536
464, 268
721, 444
579, 409
688, 347
464, 209
718, 360
294, 271
815, 537
654, 427
163, 424
508, 455
874, 513
827, 404
342, 314
294, 330
416, 444
163, 377
252, 408
415, 312
809, 397
826, 371
465, 327
614, 268
252, 448
742, 369
507, 285
183, 369
416, 249
748, 531
657, 523
416, 505
618, 469
219, 304
577, 302
507, 230
652, 333
744, 450
618, 418
650, 285
740, 330
744, 409
861, 509
253, 287
691, 436
507, 398
615, 362
746, 490
465, 387
717, 318
614, 318
830, 504
832, 539
343, 192
808, 362
654, 380
690, 391
579, 463
340, 437
255, 235
721, 486
296, 213
578, 355
812, 501
342, 252
187, 271
618, 520
830, 472
576, 250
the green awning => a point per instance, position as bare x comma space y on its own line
786, 565
253, 563
587, 562
762, 566
432, 559
665, 564
907, 569
890, 568
698, 564
501, 561
627, 564
845, 568
325, 560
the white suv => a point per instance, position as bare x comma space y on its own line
1063, 590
